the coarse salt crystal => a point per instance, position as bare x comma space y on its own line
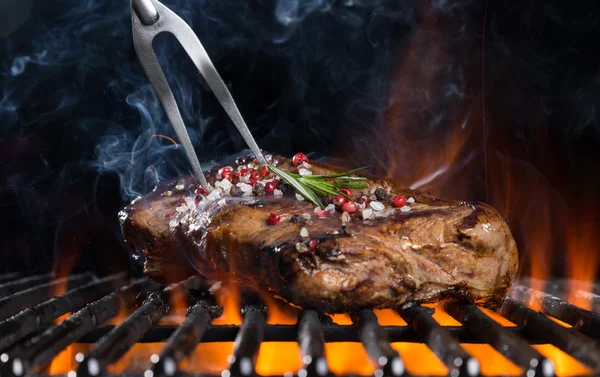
405, 208
345, 217
301, 247
173, 223
277, 192
410, 200
303, 171
377, 206
307, 216
180, 209
361, 205
306, 165
330, 208
244, 187
214, 195
367, 213
299, 197
222, 202
317, 209
304, 232
226, 184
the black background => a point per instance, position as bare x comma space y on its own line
359, 82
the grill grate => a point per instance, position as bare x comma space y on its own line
29, 341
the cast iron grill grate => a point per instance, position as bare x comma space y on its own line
30, 339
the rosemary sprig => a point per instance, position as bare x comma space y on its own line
311, 186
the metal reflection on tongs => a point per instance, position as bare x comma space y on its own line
150, 18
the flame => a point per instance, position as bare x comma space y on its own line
497, 317
65, 362
564, 364
441, 316
341, 319
228, 297
491, 362
179, 301
420, 360
348, 358
209, 358
278, 358
582, 245
389, 317
278, 314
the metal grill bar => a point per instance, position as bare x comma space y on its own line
312, 345
117, 342
248, 340
184, 340
503, 340
584, 320
14, 286
574, 343
44, 347
27, 356
590, 297
385, 359
14, 303
9, 276
32, 319
446, 348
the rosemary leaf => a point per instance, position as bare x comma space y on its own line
311, 186
302, 190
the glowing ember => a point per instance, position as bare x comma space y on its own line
345, 358
492, 363
441, 316
420, 360
389, 317
564, 364
278, 358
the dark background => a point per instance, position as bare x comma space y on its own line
495, 102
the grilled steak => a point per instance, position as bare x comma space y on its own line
429, 250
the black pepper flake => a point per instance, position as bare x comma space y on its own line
235, 191
380, 193
258, 189
285, 188
296, 218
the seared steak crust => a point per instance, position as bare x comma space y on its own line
438, 250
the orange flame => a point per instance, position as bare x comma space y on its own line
583, 249
178, 309
564, 364
278, 314
229, 298
281, 358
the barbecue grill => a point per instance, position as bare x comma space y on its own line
32, 334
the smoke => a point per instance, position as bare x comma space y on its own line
295, 67
395, 85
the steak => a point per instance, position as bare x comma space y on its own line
428, 250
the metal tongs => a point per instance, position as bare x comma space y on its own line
150, 18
